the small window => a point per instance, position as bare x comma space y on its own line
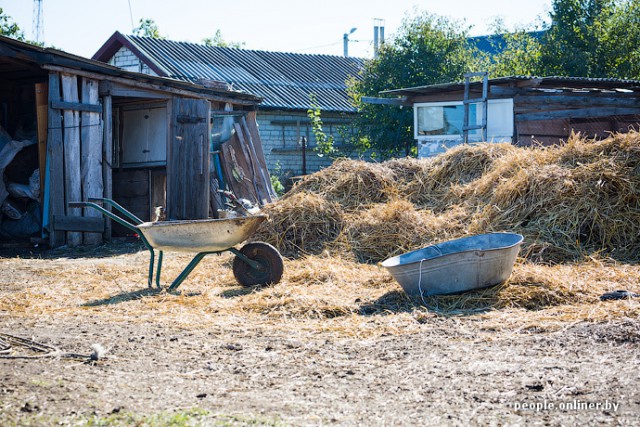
444, 120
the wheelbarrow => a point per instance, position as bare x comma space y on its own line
255, 264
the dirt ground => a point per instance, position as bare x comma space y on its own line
210, 355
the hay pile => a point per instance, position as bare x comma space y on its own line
323, 222
570, 201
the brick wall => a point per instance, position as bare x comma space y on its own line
280, 132
127, 60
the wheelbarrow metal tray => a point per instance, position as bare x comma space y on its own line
457, 265
201, 235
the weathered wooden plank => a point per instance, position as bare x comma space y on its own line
90, 225
91, 158
158, 190
386, 101
107, 157
259, 189
108, 88
236, 170
42, 95
577, 113
56, 164
76, 106
188, 161
263, 173
576, 100
190, 93
252, 124
73, 181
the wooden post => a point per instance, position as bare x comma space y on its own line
107, 157
91, 159
73, 186
55, 153
42, 96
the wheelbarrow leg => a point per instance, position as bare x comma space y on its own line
151, 258
188, 269
158, 271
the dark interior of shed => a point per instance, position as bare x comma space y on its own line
20, 184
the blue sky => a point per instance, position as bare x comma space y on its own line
82, 26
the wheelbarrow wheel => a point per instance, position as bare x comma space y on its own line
270, 260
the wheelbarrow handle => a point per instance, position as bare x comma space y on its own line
118, 207
104, 212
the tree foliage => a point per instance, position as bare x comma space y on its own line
147, 28
9, 28
586, 38
426, 50
575, 44
219, 41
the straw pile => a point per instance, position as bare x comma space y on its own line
301, 224
396, 227
351, 183
578, 199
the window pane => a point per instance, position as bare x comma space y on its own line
445, 119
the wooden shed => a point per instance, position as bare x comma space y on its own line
285, 81
87, 129
522, 110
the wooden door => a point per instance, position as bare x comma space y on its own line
188, 159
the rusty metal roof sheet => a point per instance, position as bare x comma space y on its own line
283, 80
549, 82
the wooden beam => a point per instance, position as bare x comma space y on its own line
577, 114
578, 100
79, 223
42, 95
117, 89
76, 106
195, 93
107, 158
386, 101
91, 158
55, 184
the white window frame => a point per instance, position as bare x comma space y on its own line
508, 135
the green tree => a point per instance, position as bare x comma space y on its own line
8, 28
586, 38
426, 50
519, 52
577, 42
147, 28
219, 41
622, 43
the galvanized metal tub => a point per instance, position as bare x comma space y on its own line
201, 235
457, 265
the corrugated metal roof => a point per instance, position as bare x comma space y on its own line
41, 57
283, 80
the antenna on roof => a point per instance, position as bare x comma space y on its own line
38, 25
131, 17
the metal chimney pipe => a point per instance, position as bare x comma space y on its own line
375, 40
